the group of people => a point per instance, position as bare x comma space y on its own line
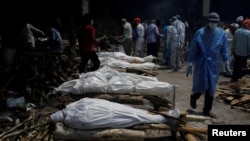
150, 36
54, 38
26, 37
209, 46
137, 36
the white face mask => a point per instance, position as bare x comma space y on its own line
212, 25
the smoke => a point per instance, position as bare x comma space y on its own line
161, 10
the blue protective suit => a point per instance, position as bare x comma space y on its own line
205, 52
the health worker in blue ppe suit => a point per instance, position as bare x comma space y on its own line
206, 49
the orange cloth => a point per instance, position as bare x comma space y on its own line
246, 23
137, 19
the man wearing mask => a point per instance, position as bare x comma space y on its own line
176, 40
207, 47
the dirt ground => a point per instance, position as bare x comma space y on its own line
225, 114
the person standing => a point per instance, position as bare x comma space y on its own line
207, 47
87, 44
167, 49
176, 40
241, 50
151, 35
139, 41
182, 31
127, 41
29, 32
230, 33
55, 38
239, 20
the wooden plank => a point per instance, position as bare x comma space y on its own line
62, 132
240, 100
190, 137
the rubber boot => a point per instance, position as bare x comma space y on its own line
193, 98
208, 106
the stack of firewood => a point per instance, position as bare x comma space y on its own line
34, 127
237, 94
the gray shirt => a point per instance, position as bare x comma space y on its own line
241, 42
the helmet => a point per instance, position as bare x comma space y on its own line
213, 17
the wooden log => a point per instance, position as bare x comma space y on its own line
42, 134
245, 89
197, 118
190, 137
152, 126
121, 98
226, 93
15, 133
141, 71
172, 119
15, 127
229, 98
240, 100
64, 133
178, 135
194, 130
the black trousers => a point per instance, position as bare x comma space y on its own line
85, 57
208, 102
239, 64
152, 49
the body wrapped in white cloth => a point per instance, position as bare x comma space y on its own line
91, 113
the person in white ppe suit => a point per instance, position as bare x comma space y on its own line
207, 47
176, 40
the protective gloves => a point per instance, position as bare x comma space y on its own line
228, 71
189, 70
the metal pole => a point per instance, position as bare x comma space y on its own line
205, 8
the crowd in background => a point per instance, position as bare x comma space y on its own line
140, 37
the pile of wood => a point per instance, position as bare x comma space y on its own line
237, 94
34, 127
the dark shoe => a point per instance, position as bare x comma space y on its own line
193, 101
209, 114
